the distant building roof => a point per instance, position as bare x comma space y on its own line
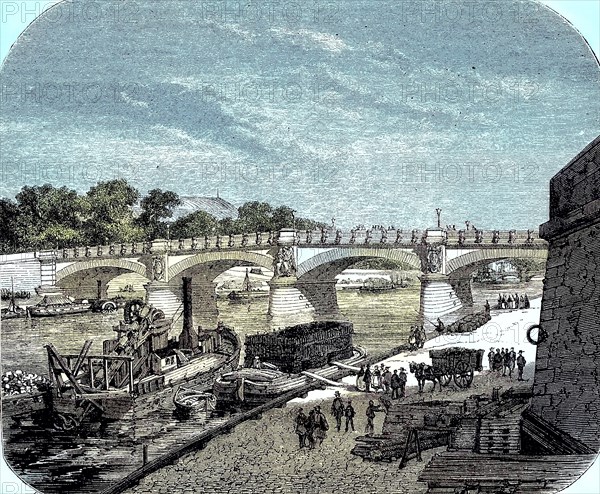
216, 206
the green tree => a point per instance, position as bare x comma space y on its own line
8, 218
48, 217
229, 226
110, 217
255, 217
283, 217
196, 224
527, 268
157, 206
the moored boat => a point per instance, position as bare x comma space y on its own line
186, 400
249, 387
57, 304
289, 359
135, 366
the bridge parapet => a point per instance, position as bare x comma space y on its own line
405, 237
494, 237
173, 246
325, 237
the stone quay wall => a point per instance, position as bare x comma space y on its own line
567, 373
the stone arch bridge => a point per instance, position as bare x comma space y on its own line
304, 266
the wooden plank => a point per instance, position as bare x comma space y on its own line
62, 364
317, 377
82, 355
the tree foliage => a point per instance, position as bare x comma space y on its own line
110, 217
196, 224
157, 207
528, 268
48, 217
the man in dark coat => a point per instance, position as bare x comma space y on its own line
337, 410
506, 363
512, 359
498, 360
387, 380
367, 378
395, 384
491, 359
320, 427
300, 427
359, 376
310, 428
402, 378
520, 365
349, 413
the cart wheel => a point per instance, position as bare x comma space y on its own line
445, 379
109, 307
463, 376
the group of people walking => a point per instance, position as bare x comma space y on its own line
381, 378
417, 337
515, 301
504, 360
312, 428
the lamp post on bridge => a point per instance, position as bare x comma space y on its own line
439, 214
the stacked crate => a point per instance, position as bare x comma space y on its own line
500, 432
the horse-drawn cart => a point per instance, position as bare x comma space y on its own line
456, 363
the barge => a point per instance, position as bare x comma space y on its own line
286, 360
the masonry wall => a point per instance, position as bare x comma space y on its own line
567, 374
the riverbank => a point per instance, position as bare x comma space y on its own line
263, 456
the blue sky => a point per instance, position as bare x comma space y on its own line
367, 111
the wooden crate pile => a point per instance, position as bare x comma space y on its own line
492, 427
500, 432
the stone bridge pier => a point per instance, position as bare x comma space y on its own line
287, 304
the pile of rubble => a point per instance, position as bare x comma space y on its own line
469, 323
18, 382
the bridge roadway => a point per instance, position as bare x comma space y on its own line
304, 266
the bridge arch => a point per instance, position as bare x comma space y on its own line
241, 257
468, 262
330, 263
90, 264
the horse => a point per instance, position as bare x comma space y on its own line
424, 373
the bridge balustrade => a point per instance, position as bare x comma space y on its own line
356, 237
330, 237
486, 237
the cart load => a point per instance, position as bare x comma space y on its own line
456, 363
